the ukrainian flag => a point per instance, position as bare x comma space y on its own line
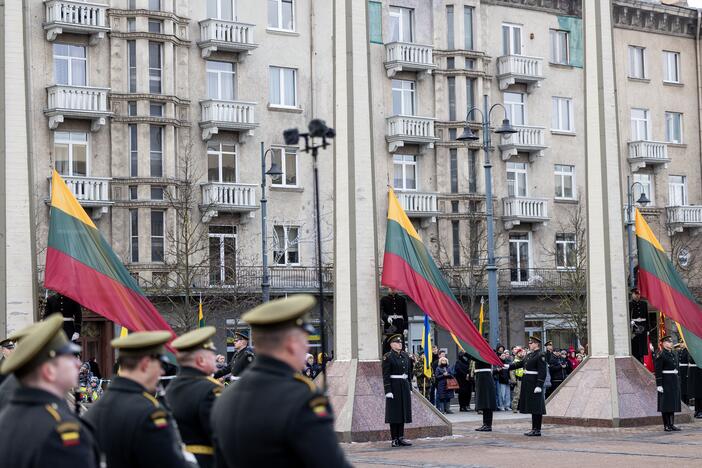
426, 346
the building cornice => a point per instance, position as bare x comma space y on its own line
653, 17
555, 7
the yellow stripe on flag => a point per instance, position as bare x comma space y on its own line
644, 231
457, 343
397, 214
63, 199
123, 332
481, 317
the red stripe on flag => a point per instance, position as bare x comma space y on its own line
673, 303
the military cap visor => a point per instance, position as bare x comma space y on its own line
200, 338
242, 334
535, 339
395, 339
137, 344
282, 313
549, 343
666, 338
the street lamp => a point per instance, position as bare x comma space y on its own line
643, 201
468, 135
274, 171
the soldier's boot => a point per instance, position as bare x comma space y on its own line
395, 443
402, 442
672, 423
666, 422
484, 428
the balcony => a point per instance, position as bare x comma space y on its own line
77, 102
406, 56
233, 116
408, 129
91, 192
644, 153
228, 198
75, 17
516, 281
517, 210
683, 217
513, 69
419, 204
527, 140
226, 36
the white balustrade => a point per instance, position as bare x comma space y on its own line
416, 54
520, 65
418, 202
223, 195
529, 136
76, 13
231, 32
77, 98
232, 112
89, 189
652, 150
411, 126
525, 208
685, 215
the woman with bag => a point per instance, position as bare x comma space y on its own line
444, 380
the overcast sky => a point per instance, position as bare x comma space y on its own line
695, 3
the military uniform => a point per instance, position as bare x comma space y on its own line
683, 364
393, 312
534, 365
667, 381
240, 361
485, 394
694, 385
638, 312
69, 309
7, 388
397, 380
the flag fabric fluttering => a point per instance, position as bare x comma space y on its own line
81, 265
426, 347
408, 267
481, 316
458, 343
123, 331
661, 328
200, 316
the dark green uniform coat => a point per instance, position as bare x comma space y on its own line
398, 409
38, 430
190, 397
694, 380
534, 365
667, 377
274, 416
485, 398
133, 430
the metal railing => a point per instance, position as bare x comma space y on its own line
411, 126
230, 195
418, 202
651, 150
229, 112
76, 13
420, 56
85, 99
230, 32
520, 65
516, 280
525, 208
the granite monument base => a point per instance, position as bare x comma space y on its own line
355, 390
608, 392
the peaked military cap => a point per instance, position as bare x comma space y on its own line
17, 335
397, 338
282, 313
535, 339
549, 343
666, 338
200, 338
243, 334
45, 341
142, 343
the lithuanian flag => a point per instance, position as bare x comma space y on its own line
81, 265
408, 267
665, 290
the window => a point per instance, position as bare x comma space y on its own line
133, 192
511, 39
156, 151
131, 24
287, 164
131, 108
401, 24
132, 65
472, 172
70, 65
155, 5
516, 108
451, 97
375, 22
131, 4
155, 26
71, 153
519, 257
403, 97
157, 193
673, 127
562, 116
671, 67
451, 63
470, 96
646, 181
559, 47
157, 235
134, 235
468, 28
220, 9
453, 169
156, 109
221, 162
222, 255
516, 179
456, 233
404, 172
452, 134
286, 245
220, 80
565, 251
637, 63
565, 181
155, 60
677, 190
640, 125
133, 153
449, 27
281, 14
283, 86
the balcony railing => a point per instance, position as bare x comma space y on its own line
644, 153
528, 139
681, 217
89, 191
218, 115
419, 204
407, 56
513, 69
409, 129
227, 36
229, 197
75, 17
517, 210
533, 281
79, 102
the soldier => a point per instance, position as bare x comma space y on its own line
638, 313
531, 397
393, 312
274, 415
694, 385
43, 431
71, 312
243, 357
485, 395
683, 364
397, 381
668, 385
132, 428
7, 346
8, 386
193, 392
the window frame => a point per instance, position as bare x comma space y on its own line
134, 235
162, 236
635, 127
152, 151
285, 250
566, 239
450, 27
71, 144
218, 7
152, 77
468, 27
133, 135
636, 188
402, 161
666, 69
279, 152
220, 74
511, 106
69, 59
281, 86
398, 13
512, 239
412, 91
668, 122
517, 168
560, 174
680, 185
512, 28
279, 16
131, 66
556, 54
220, 152
557, 104
633, 55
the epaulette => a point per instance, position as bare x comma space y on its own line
307, 381
159, 418
219, 386
151, 398
68, 431
215, 381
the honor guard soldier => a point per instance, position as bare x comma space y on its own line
638, 313
193, 392
393, 313
667, 384
133, 430
485, 393
531, 397
71, 312
243, 357
397, 381
694, 385
274, 415
683, 364
39, 429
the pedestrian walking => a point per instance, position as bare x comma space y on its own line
397, 382
531, 398
461, 371
443, 393
485, 394
667, 384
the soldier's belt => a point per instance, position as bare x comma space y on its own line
402, 376
68, 319
483, 370
692, 365
683, 365
531, 372
234, 377
674, 371
200, 449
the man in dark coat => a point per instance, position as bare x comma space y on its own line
531, 398
694, 385
243, 357
485, 393
465, 381
683, 364
71, 312
397, 381
667, 384
393, 313
638, 314
558, 368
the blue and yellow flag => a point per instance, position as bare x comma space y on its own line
426, 346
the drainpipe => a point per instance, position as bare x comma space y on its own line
699, 87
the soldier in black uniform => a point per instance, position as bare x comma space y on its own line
668, 385
133, 430
243, 357
71, 312
397, 381
393, 313
531, 397
694, 385
683, 364
638, 313
485, 398
39, 428
274, 415
193, 392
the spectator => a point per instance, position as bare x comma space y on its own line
84, 375
461, 371
516, 377
423, 382
443, 394
436, 355
558, 368
95, 368
311, 369
503, 394
572, 359
220, 362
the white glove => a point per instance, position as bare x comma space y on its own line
537, 390
75, 336
505, 366
660, 389
389, 395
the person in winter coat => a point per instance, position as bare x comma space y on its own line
503, 394
516, 377
461, 371
558, 368
531, 399
443, 394
667, 384
311, 369
572, 359
397, 383
485, 399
